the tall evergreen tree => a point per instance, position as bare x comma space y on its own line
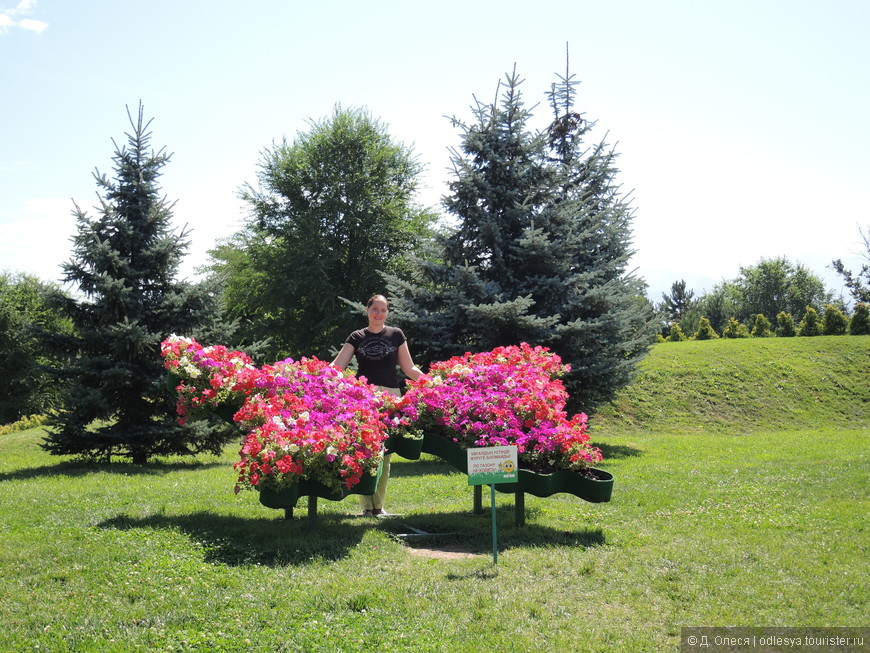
124, 264
540, 251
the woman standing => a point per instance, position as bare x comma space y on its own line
378, 349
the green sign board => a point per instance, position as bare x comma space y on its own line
488, 465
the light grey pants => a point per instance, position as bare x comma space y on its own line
376, 501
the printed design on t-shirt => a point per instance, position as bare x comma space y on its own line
375, 349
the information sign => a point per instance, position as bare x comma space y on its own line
488, 465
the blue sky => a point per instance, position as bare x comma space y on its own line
742, 126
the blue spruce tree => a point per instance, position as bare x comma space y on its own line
124, 263
540, 250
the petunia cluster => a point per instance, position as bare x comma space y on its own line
302, 419
206, 377
507, 396
309, 419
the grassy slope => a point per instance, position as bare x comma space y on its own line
741, 386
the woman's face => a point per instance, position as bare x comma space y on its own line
378, 313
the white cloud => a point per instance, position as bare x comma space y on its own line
36, 26
7, 20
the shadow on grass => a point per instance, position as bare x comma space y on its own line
474, 532
271, 541
74, 469
266, 541
613, 451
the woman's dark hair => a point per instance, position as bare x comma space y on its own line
374, 298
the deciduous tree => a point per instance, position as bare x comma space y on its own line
858, 283
774, 285
331, 211
25, 387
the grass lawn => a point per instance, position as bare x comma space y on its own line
761, 529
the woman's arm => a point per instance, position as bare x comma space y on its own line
407, 363
344, 356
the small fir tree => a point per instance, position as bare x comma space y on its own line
761, 328
785, 325
705, 330
834, 322
735, 329
115, 401
810, 325
678, 303
859, 325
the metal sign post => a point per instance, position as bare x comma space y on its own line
488, 466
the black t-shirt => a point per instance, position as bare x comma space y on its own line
377, 354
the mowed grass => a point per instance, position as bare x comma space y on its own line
755, 527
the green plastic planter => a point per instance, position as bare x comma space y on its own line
597, 487
287, 497
408, 448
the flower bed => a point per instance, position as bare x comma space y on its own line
507, 396
205, 378
308, 420
303, 420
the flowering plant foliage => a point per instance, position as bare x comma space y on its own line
310, 420
507, 396
305, 419
208, 377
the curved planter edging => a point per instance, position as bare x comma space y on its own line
172, 381
594, 490
288, 496
445, 448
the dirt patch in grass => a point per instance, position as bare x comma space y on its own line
446, 552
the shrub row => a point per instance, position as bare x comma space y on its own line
833, 322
